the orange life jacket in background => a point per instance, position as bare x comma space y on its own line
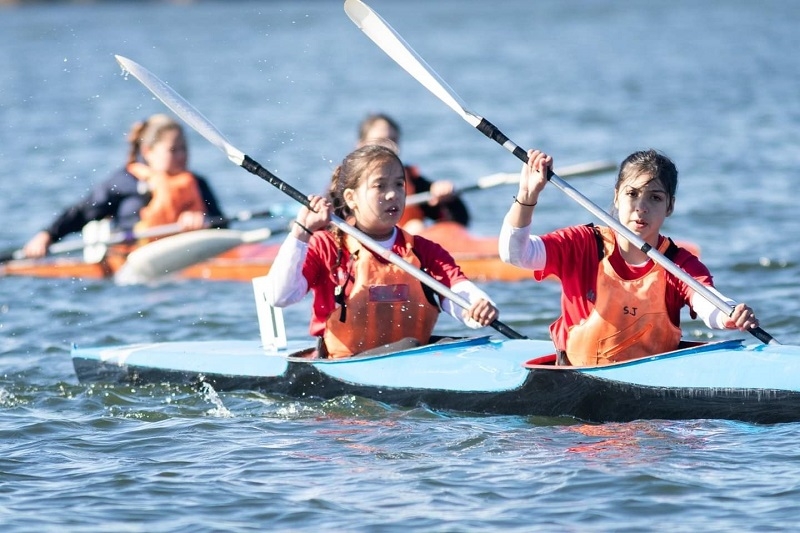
171, 196
411, 212
385, 304
629, 318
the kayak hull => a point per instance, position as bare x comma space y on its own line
758, 384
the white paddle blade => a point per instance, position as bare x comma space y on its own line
181, 107
395, 47
500, 178
571, 171
169, 255
586, 169
510, 178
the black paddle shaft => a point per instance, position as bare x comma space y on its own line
252, 166
491, 131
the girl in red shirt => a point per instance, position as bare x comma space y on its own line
362, 301
616, 304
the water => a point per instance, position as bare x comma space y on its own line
712, 84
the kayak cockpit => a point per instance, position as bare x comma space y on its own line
402, 347
685, 347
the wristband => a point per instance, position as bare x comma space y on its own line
304, 228
526, 205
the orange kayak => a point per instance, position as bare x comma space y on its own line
476, 255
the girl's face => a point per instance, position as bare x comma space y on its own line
643, 204
379, 199
169, 154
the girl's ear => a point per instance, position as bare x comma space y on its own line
349, 198
671, 206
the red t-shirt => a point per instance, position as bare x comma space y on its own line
320, 272
572, 256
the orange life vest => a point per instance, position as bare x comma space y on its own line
171, 196
411, 212
385, 303
629, 318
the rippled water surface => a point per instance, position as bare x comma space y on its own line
713, 84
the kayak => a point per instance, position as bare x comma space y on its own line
477, 256
486, 375
721, 380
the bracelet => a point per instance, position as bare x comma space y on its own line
526, 205
304, 228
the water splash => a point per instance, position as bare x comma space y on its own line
219, 410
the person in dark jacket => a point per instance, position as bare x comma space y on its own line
154, 188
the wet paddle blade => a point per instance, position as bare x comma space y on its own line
395, 47
181, 107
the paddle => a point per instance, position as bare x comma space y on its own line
505, 178
171, 254
131, 236
395, 47
204, 127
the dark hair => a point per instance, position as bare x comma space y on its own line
351, 171
370, 120
653, 163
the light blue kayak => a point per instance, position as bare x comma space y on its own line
724, 380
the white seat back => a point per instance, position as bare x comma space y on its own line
95, 234
270, 319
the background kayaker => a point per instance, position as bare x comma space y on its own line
443, 206
617, 303
154, 188
361, 301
